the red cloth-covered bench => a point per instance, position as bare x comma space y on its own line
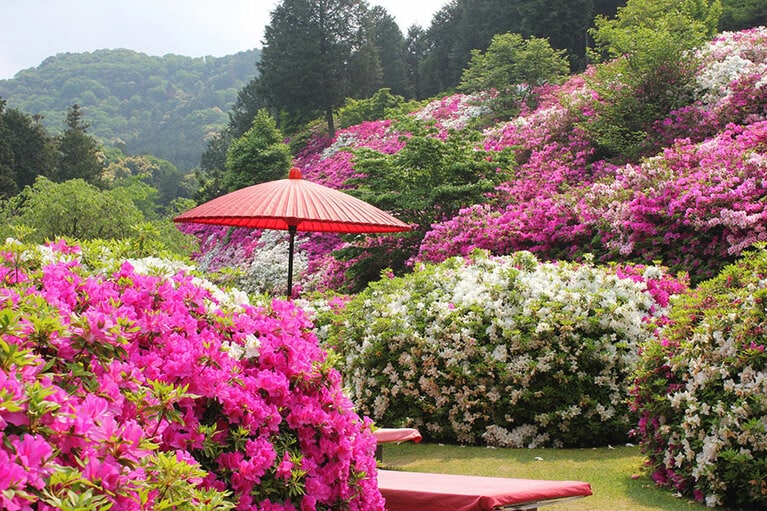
387, 435
384, 435
419, 491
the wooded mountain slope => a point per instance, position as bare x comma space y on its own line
165, 106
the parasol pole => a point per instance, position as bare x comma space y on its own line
292, 231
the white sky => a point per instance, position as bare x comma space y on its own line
33, 30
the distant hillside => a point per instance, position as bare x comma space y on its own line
165, 106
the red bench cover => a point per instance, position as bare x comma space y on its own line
384, 435
409, 491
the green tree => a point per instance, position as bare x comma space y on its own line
564, 23
8, 185
76, 209
641, 24
381, 105
465, 25
427, 181
392, 53
258, 156
442, 65
742, 14
416, 46
249, 101
308, 63
653, 71
26, 150
80, 156
210, 174
514, 66
162, 176
458, 28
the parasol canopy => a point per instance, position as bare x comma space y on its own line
293, 205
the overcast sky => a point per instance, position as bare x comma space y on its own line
33, 30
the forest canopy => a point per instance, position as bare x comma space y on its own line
166, 106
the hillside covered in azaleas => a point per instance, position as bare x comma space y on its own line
694, 204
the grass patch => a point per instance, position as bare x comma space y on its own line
615, 475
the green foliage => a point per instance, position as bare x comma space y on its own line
417, 48
77, 210
166, 106
503, 351
742, 14
463, 26
69, 490
514, 66
250, 101
687, 23
26, 150
210, 174
258, 156
167, 181
458, 28
701, 391
381, 105
78, 153
653, 73
176, 484
316, 54
563, 23
392, 51
513, 60
429, 179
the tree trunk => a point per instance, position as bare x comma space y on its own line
331, 125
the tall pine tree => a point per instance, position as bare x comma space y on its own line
26, 150
79, 153
308, 64
392, 51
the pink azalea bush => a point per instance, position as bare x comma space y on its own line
701, 391
136, 385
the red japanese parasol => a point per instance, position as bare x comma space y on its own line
293, 205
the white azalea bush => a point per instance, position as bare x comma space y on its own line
502, 351
701, 391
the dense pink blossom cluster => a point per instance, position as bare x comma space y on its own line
695, 208
101, 373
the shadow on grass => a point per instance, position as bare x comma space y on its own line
615, 474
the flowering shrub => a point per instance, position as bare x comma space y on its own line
135, 385
455, 112
503, 351
701, 391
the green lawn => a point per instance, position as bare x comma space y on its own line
615, 475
